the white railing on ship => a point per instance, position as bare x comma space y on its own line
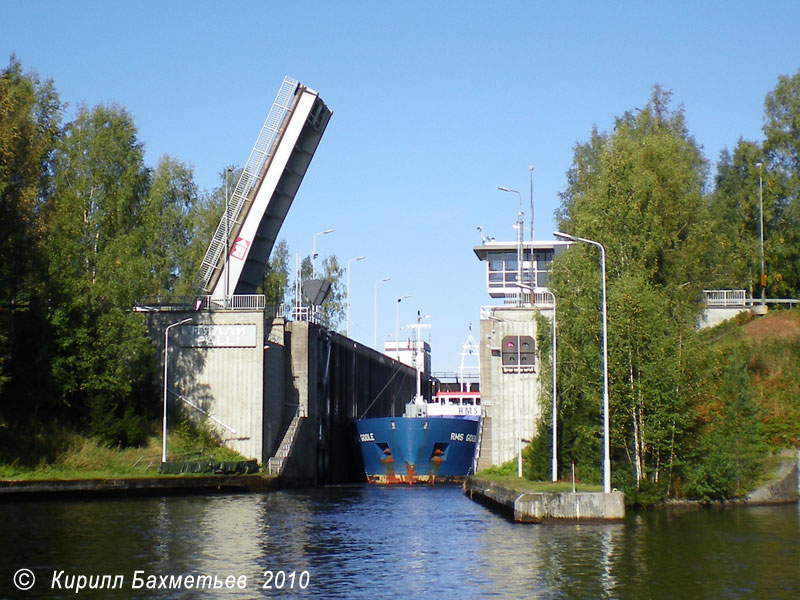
470, 375
725, 298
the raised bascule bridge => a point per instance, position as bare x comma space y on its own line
277, 388
264, 193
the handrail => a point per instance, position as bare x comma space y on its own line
725, 297
205, 303
276, 464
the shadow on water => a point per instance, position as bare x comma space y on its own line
359, 541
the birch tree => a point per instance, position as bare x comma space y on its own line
96, 264
639, 191
30, 122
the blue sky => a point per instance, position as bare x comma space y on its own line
436, 104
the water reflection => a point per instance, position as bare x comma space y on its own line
369, 542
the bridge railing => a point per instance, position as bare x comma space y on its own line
237, 302
725, 298
202, 303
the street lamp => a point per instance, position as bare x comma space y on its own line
397, 325
352, 260
166, 365
530, 171
555, 416
761, 233
606, 440
227, 236
314, 252
375, 313
519, 240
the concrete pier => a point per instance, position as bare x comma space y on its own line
547, 507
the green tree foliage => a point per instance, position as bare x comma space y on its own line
169, 232
734, 209
579, 362
30, 121
734, 204
98, 267
646, 377
333, 309
639, 192
680, 420
276, 283
782, 149
204, 219
726, 456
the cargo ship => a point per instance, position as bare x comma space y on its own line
435, 440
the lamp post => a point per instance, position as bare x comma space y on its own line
375, 313
397, 326
555, 414
314, 252
227, 237
166, 372
530, 171
519, 240
349, 262
606, 423
761, 234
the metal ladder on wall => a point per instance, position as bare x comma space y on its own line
258, 157
476, 459
276, 464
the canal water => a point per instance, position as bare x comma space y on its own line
373, 542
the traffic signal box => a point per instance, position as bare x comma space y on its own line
518, 351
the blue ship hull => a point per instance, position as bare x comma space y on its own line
417, 450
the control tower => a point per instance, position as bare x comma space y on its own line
517, 274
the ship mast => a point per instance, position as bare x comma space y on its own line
418, 399
470, 348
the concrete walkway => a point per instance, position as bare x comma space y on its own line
136, 486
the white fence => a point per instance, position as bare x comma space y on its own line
725, 298
196, 303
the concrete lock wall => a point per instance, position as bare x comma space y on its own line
216, 362
280, 397
255, 374
337, 381
509, 395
